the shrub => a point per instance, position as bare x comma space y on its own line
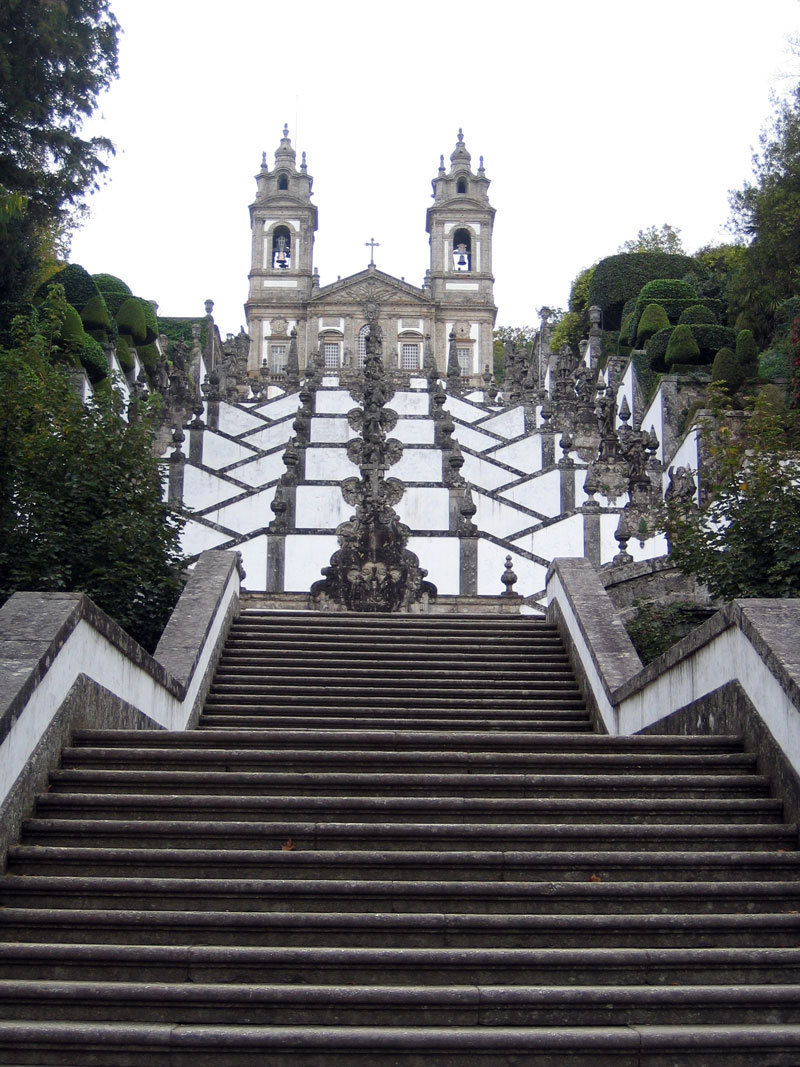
656, 627
149, 356
95, 316
772, 401
787, 311
94, 359
727, 369
747, 352
151, 323
697, 314
131, 320
109, 283
79, 286
657, 349
774, 364
653, 319
72, 332
682, 347
710, 339
124, 355
617, 279
625, 331
666, 289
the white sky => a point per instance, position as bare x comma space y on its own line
595, 120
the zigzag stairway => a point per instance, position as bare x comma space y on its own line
396, 840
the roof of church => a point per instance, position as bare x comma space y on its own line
371, 284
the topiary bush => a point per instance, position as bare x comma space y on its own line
771, 400
661, 289
95, 316
124, 355
774, 364
131, 321
653, 319
617, 279
149, 356
657, 349
110, 283
79, 286
710, 339
697, 314
150, 320
682, 347
72, 332
747, 352
94, 360
727, 369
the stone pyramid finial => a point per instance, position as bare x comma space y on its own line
285, 152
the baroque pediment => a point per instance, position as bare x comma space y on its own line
370, 287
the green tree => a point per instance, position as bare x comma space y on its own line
55, 60
766, 213
664, 238
745, 540
80, 491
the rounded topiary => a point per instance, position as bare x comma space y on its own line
151, 322
72, 332
150, 356
95, 316
661, 289
94, 360
697, 313
79, 287
682, 347
654, 318
774, 364
657, 349
710, 339
771, 399
747, 352
124, 355
726, 369
109, 283
130, 320
624, 332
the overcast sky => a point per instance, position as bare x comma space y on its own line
595, 120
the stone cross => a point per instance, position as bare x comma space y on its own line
372, 244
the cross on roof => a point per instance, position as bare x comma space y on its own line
372, 244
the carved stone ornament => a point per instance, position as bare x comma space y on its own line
372, 570
278, 327
462, 329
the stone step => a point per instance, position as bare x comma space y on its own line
254, 652
279, 672
167, 1045
227, 716
273, 861
404, 895
480, 1005
508, 811
320, 697
403, 836
483, 784
490, 741
409, 929
402, 966
410, 759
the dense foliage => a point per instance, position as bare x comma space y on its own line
80, 492
745, 541
618, 279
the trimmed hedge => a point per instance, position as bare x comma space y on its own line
747, 352
657, 349
109, 283
95, 316
661, 289
148, 354
151, 322
131, 320
124, 355
711, 339
696, 315
727, 369
72, 332
79, 286
620, 278
94, 360
682, 347
653, 319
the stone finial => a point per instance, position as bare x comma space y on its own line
178, 437
481, 171
624, 410
303, 164
622, 535
467, 527
460, 153
441, 164
263, 160
509, 579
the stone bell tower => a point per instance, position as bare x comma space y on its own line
460, 226
283, 221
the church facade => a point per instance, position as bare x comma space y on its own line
453, 310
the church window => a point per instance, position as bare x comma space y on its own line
277, 358
409, 356
281, 248
361, 347
464, 360
283, 182
462, 251
330, 352
461, 185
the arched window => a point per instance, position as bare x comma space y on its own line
283, 182
462, 251
461, 185
281, 248
361, 348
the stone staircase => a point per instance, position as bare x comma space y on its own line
396, 840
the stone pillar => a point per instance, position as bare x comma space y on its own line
177, 461
592, 548
276, 562
548, 450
